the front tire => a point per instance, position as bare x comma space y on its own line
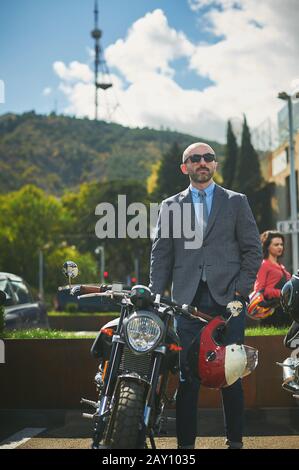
127, 418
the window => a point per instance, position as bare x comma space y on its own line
21, 291
10, 297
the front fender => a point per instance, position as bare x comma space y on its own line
101, 347
134, 377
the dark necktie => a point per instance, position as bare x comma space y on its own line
205, 215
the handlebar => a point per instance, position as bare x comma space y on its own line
87, 289
107, 290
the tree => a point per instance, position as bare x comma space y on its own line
249, 180
53, 267
231, 158
120, 252
29, 220
170, 179
248, 175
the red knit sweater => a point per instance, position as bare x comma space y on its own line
268, 276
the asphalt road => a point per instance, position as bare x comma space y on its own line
261, 442
265, 429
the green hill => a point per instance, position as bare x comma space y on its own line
59, 152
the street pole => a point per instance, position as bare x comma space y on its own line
101, 250
136, 269
41, 275
293, 186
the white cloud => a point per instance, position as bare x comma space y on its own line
295, 86
255, 58
196, 5
149, 47
74, 72
47, 91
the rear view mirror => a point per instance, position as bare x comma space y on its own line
70, 270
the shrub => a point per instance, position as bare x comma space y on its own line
71, 307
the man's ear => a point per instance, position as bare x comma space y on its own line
184, 168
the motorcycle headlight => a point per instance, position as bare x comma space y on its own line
143, 331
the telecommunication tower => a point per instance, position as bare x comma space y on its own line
99, 63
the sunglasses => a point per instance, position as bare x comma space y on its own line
208, 158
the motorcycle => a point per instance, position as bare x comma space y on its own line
289, 300
139, 350
290, 365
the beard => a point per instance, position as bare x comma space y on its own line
203, 177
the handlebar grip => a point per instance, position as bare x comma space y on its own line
187, 310
91, 289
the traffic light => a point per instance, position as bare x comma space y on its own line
106, 274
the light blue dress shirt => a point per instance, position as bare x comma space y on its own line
209, 198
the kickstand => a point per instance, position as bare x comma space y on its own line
152, 440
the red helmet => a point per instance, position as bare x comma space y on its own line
258, 308
220, 365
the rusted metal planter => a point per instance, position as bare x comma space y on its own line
55, 374
79, 323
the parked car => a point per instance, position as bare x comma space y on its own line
65, 301
21, 311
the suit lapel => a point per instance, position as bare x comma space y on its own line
186, 197
218, 199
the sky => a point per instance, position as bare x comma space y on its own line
185, 65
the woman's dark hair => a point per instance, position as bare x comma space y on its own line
266, 239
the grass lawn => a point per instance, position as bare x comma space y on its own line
57, 334
266, 331
46, 334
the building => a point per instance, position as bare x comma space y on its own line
277, 165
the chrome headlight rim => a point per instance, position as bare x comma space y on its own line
149, 316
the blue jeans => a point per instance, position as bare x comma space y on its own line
187, 396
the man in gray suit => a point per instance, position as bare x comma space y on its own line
219, 266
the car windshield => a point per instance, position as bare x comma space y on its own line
4, 285
21, 292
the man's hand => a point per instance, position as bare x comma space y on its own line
76, 290
235, 307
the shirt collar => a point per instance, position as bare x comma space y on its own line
209, 190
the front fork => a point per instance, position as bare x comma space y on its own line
103, 412
151, 398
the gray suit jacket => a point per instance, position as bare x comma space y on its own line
231, 250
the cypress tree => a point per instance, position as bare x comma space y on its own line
249, 181
248, 175
231, 156
170, 179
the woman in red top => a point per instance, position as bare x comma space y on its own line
272, 275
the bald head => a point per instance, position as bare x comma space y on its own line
199, 148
